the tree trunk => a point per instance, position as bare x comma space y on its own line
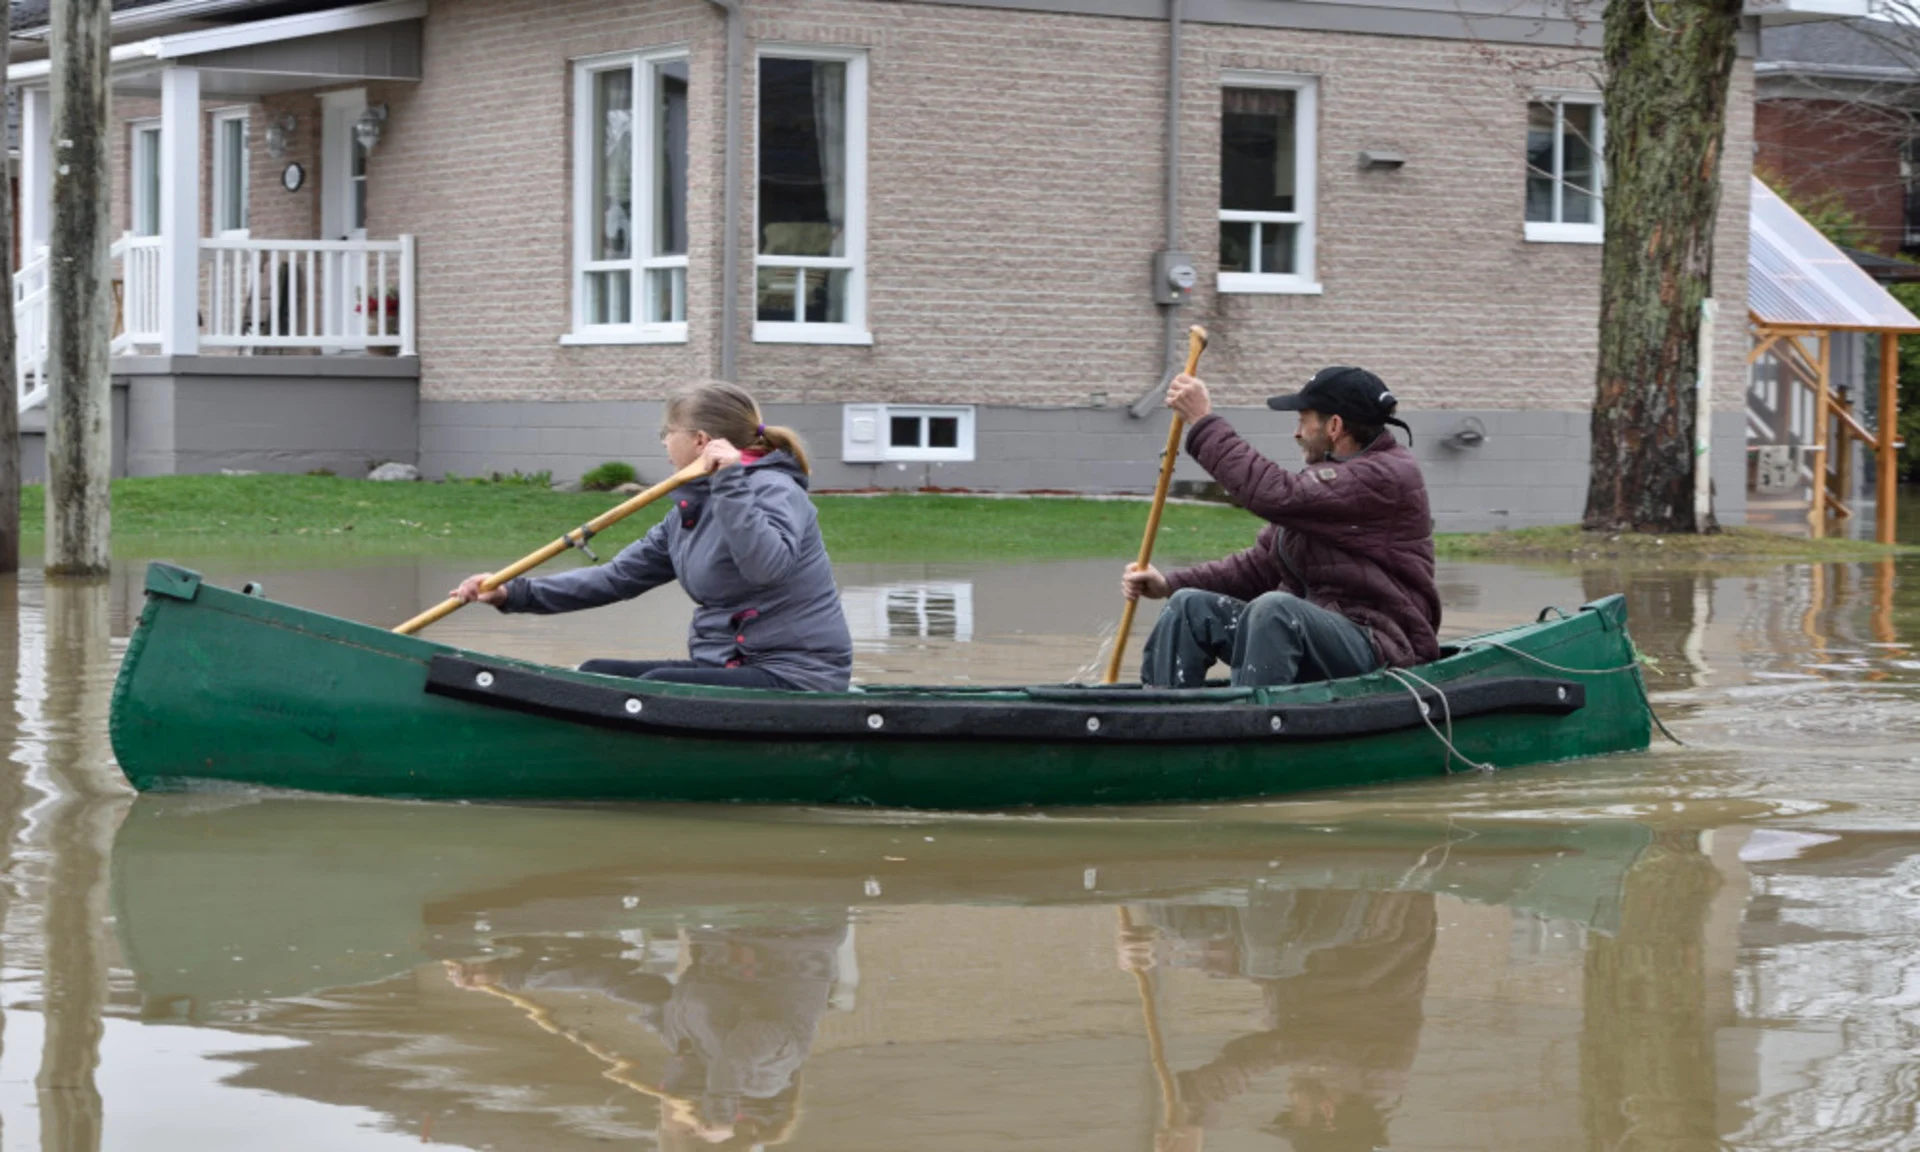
9, 390
79, 415
1669, 63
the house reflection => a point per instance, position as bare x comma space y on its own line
883, 615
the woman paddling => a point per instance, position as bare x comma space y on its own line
744, 543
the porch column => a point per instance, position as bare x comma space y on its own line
179, 211
36, 170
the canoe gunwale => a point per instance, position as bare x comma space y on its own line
791, 716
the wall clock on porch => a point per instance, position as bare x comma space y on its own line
292, 176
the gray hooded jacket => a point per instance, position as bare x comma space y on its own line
745, 544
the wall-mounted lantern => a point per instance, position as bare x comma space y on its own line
368, 127
277, 134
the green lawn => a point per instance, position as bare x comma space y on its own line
329, 515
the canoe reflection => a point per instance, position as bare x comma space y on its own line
521, 960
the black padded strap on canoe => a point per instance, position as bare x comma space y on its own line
831, 716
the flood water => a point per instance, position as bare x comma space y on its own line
1707, 947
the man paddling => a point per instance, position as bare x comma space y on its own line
1339, 582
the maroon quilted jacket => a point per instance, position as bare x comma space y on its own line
1358, 538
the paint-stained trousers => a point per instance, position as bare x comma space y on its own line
1277, 639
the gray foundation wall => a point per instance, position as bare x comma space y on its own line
189, 414
33, 439
1529, 469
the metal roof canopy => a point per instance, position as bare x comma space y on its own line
1798, 279
1801, 290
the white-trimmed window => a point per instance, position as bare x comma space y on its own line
1267, 180
1565, 148
630, 199
810, 210
230, 157
876, 433
145, 142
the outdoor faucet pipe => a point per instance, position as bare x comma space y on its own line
1170, 318
730, 195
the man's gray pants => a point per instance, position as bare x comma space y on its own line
1277, 639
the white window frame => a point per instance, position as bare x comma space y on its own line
138, 167
1553, 232
1306, 175
222, 117
866, 433
641, 261
854, 330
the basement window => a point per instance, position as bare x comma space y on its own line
873, 433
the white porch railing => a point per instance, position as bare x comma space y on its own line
136, 292
30, 331
344, 295
323, 295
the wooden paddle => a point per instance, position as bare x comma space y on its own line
1196, 344
574, 539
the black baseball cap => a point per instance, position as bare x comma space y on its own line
1353, 394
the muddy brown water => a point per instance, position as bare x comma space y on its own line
1696, 948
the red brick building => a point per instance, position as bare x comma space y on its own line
1835, 120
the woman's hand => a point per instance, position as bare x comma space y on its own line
719, 454
1137, 582
1187, 395
469, 591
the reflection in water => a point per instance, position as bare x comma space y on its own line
883, 616
737, 1014
83, 809
1341, 977
1646, 1053
700, 962
1501, 962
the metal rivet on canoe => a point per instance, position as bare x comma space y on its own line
484, 679
1426, 709
1563, 695
1093, 723
633, 707
874, 721
1276, 724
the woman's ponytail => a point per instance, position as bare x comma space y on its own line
786, 440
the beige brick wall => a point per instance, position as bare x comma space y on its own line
477, 163
1015, 196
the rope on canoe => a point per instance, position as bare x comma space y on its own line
1639, 685
1401, 676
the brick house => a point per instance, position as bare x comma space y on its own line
1834, 116
492, 234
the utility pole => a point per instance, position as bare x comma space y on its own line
9, 349
79, 411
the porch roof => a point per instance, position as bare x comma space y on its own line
1798, 279
377, 41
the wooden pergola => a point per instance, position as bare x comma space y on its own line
1802, 291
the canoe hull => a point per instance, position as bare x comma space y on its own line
223, 688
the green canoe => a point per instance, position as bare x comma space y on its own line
220, 687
